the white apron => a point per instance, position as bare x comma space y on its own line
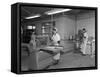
84, 43
55, 39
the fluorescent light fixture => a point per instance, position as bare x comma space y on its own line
29, 27
34, 27
55, 11
34, 16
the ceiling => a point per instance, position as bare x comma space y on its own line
29, 11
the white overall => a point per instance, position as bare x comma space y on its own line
84, 43
55, 39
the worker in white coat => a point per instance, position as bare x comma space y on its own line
56, 41
55, 37
84, 42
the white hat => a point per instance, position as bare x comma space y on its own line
55, 29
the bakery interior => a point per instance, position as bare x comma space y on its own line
68, 23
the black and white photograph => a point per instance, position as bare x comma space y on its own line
53, 37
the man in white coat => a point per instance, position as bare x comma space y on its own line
84, 43
56, 41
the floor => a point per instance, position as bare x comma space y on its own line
71, 59
74, 60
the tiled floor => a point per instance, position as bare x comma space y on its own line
72, 60
68, 60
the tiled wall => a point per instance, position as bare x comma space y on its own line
86, 20
66, 26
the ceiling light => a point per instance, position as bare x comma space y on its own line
29, 27
34, 27
55, 11
34, 16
